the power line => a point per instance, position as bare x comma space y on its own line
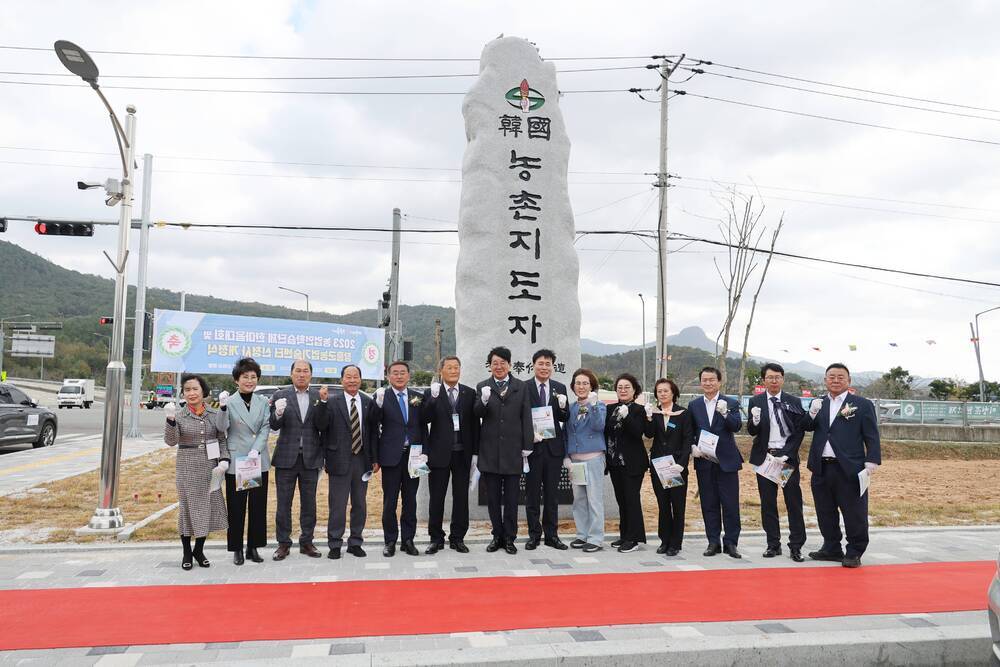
843, 87
840, 120
163, 54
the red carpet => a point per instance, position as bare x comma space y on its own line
55, 618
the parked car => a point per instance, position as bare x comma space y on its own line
994, 612
22, 420
75, 394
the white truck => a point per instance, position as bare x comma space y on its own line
76, 394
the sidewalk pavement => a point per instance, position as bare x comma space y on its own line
916, 638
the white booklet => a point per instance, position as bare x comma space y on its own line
707, 442
777, 471
578, 473
864, 479
667, 481
543, 419
417, 464
474, 475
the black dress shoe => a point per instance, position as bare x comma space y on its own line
389, 550
577, 544
356, 551
826, 555
851, 561
238, 557
459, 546
494, 545
772, 552
409, 549
556, 543
509, 547
281, 553
532, 543
796, 555
334, 554
617, 543
310, 550
253, 555
662, 549
712, 550
434, 547
730, 550
673, 551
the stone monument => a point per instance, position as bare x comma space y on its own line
517, 275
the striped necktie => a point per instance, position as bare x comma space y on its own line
355, 427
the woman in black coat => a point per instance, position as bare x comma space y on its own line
672, 432
627, 460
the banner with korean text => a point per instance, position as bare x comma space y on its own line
185, 341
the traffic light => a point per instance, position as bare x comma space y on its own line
147, 332
64, 229
383, 306
106, 320
407, 350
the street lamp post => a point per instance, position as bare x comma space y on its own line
644, 385
6, 319
979, 358
295, 291
107, 516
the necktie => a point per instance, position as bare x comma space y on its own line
355, 428
402, 405
502, 386
541, 395
451, 398
777, 416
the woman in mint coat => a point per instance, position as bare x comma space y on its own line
244, 418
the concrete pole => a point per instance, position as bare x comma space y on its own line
645, 386
395, 348
139, 330
107, 516
661, 233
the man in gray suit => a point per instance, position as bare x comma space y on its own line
348, 462
300, 414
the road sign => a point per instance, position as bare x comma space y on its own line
30, 345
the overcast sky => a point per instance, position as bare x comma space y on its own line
944, 219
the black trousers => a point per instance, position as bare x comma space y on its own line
632, 527
458, 472
341, 488
501, 499
835, 491
236, 509
792, 492
285, 480
541, 485
396, 481
671, 503
720, 503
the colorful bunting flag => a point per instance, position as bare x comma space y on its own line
893, 345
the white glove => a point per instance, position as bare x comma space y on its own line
722, 407
223, 399
475, 461
525, 453
815, 407
279, 407
223, 466
435, 389
379, 396
755, 415
485, 394
568, 463
422, 458
695, 452
562, 401
871, 467
253, 454
170, 410
538, 437
675, 470
649, 412
592, 398
622, 411
783, 459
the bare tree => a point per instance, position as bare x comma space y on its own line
753, 305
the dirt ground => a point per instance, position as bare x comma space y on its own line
918, 484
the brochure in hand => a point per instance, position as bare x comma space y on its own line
775, 470
417, 463
248, 473
661, 465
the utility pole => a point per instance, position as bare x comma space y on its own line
394, 349
666, 69
644, 385
437, 345
139, 328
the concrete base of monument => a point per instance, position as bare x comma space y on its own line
479, 512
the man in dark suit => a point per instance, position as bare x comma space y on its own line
397, 415
505, 437
845, 443
718, 481
348, 462
777, 423
546, 463
300, 414
451, 444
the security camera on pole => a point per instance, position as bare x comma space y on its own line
108, 517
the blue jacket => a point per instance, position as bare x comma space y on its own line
854, 438
730, 459
586, 434
395, 433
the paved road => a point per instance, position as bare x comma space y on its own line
76, 423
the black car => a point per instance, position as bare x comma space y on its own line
22, 420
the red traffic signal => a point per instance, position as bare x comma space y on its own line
64, 229
107, 320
